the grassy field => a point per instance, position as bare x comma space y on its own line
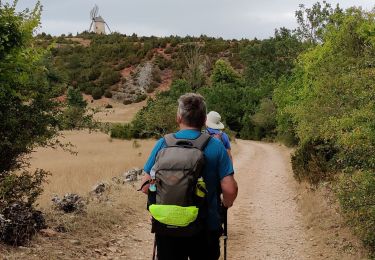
98, 158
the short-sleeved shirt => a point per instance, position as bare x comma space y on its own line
217, 166
224, 136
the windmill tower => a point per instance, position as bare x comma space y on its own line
97, 22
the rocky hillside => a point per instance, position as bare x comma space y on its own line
130, 68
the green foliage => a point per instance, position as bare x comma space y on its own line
265, 117
332, 98
28, 113
224, 73
271, 58
313, 21
159, 116
356, 193
195, 71
97, 93
313, 161
226, 99
23, 187
122, 131
327, 103
75, 99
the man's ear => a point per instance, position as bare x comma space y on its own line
178, 119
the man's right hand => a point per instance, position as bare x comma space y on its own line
145, 178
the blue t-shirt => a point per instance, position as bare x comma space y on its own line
224, 136
217, 166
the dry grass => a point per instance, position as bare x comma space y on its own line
325, 224
99, 158
107, 230
120, 113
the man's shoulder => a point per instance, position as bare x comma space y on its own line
214, 145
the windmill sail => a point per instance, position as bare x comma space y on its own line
97, 22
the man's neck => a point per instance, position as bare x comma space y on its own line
185, 127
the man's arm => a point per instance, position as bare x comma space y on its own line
229, 189
230, 154
150, 163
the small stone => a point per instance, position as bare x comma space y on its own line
75, 242
48, 232
97, 251
112, 249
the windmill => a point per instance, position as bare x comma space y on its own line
97, 21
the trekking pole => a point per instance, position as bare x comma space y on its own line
225, 222
154, 251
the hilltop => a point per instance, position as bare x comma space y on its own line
130, 68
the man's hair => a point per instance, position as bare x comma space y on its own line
192, 110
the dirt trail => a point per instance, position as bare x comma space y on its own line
265, 222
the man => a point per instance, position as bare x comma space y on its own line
215, 127
218, 176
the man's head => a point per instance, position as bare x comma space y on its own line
191, 111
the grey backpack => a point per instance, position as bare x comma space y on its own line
175, 205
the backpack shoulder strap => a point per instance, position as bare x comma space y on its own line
170, 140
201, 141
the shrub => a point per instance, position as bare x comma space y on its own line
121, 131
108, 94
97, 93
156, 75
356, 192
169, 50
140, 97
224, 73
109, 77
313, 161
127, 102
75, 99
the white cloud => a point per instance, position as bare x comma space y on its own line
226, 18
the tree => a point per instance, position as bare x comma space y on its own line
269, 59
75, 99
223, 73
195, 71
313, 21
29, 116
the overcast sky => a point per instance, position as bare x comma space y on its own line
218, 18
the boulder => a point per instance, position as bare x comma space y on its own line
69, 203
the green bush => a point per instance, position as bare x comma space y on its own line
313, 161
122, 131
108, 94
140, 97
97, 93
356, 193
